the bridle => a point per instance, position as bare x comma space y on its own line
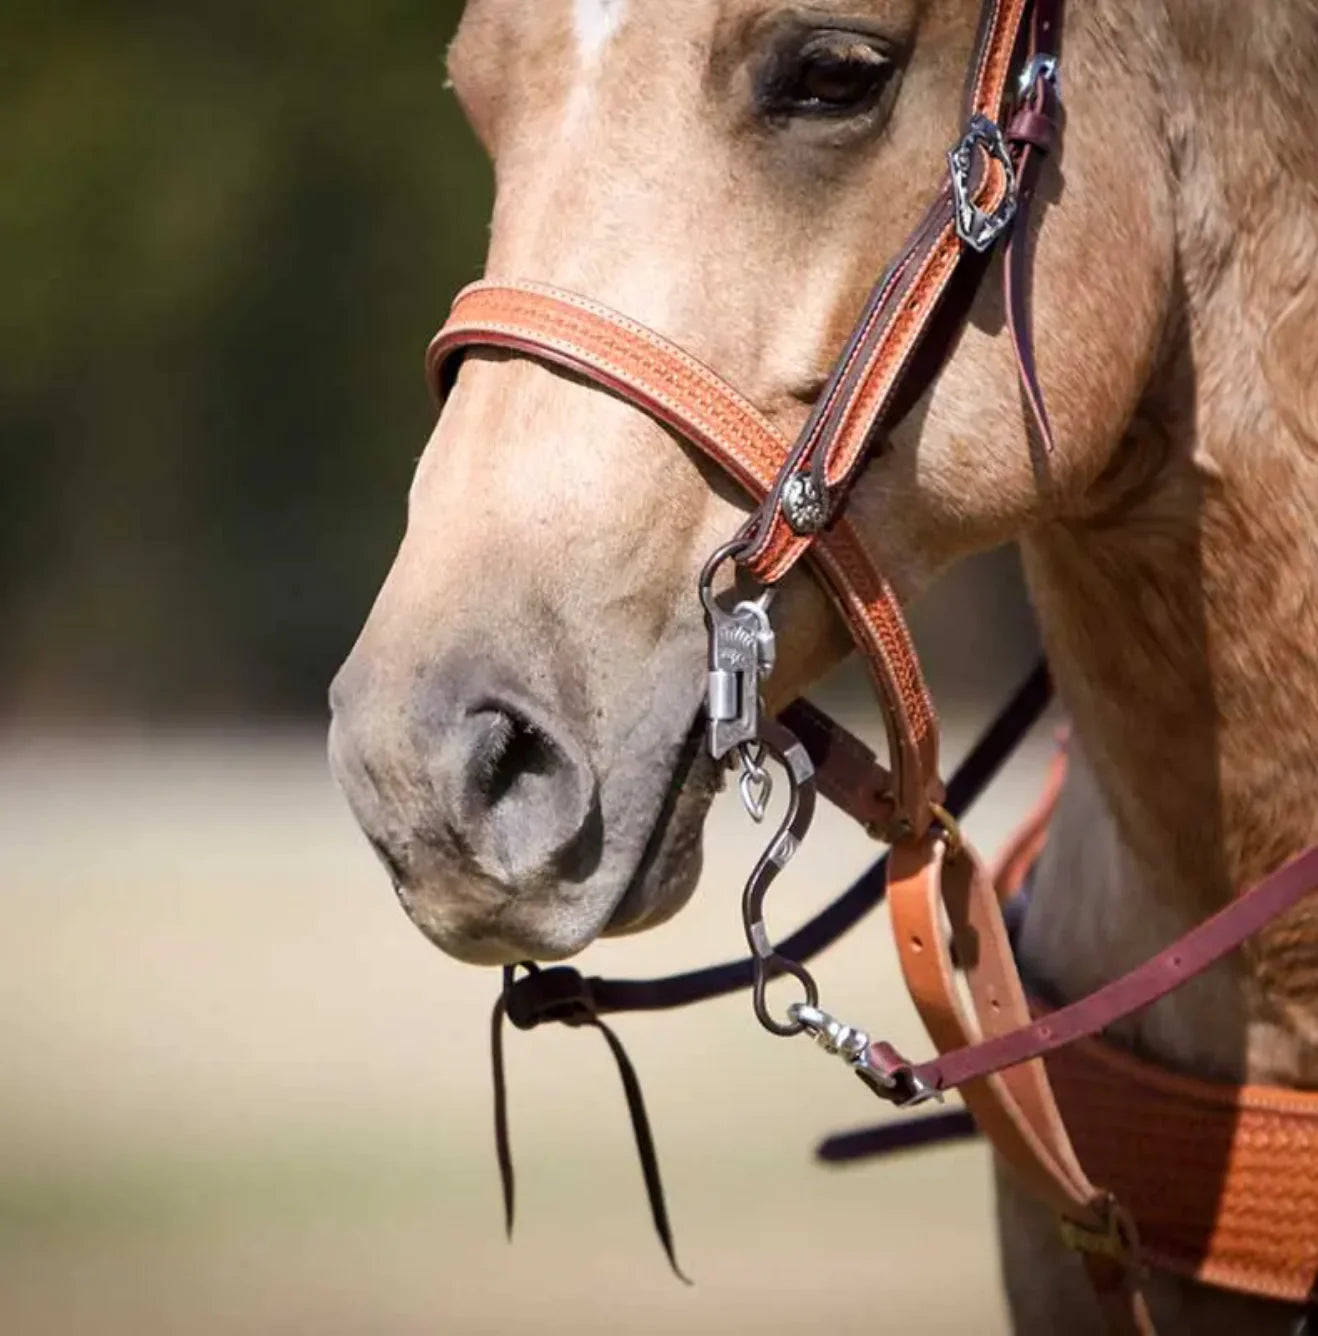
899, 344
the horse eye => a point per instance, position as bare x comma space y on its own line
833, 75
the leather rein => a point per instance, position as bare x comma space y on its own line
932, 877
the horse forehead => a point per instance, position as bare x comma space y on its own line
595, 23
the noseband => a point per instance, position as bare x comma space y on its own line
801, 488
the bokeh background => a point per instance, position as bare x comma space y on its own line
238, 1093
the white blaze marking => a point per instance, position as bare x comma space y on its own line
596, 21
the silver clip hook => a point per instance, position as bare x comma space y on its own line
742, 651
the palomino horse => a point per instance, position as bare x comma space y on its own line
517, 727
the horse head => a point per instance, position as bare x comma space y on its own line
518, 726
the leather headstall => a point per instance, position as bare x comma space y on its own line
992, 1051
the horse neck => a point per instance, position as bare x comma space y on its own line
1181, 618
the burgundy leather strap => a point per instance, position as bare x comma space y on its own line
868, 374
848, 774
1032, 132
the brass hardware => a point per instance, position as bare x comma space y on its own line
1118, 1240
951, 829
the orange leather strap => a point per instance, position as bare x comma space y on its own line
586, 337
1222, 1180
1016, 1108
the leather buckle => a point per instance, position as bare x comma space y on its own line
1042, 67
980, 228
1117, 1240
900, 1086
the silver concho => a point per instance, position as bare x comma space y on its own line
977, 228
805, 504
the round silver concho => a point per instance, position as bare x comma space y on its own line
805, 504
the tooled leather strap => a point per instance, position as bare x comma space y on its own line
1222, 1179
926, 293
585, 337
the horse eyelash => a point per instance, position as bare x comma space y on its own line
785, 68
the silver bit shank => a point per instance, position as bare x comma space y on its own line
741, 655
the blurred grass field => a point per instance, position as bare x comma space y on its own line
242, 1095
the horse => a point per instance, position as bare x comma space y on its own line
517, 728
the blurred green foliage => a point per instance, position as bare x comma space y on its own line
226, 233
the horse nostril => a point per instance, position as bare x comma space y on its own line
511, 752
528, 792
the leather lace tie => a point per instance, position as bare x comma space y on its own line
562, 995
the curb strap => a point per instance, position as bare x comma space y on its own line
574, 1008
